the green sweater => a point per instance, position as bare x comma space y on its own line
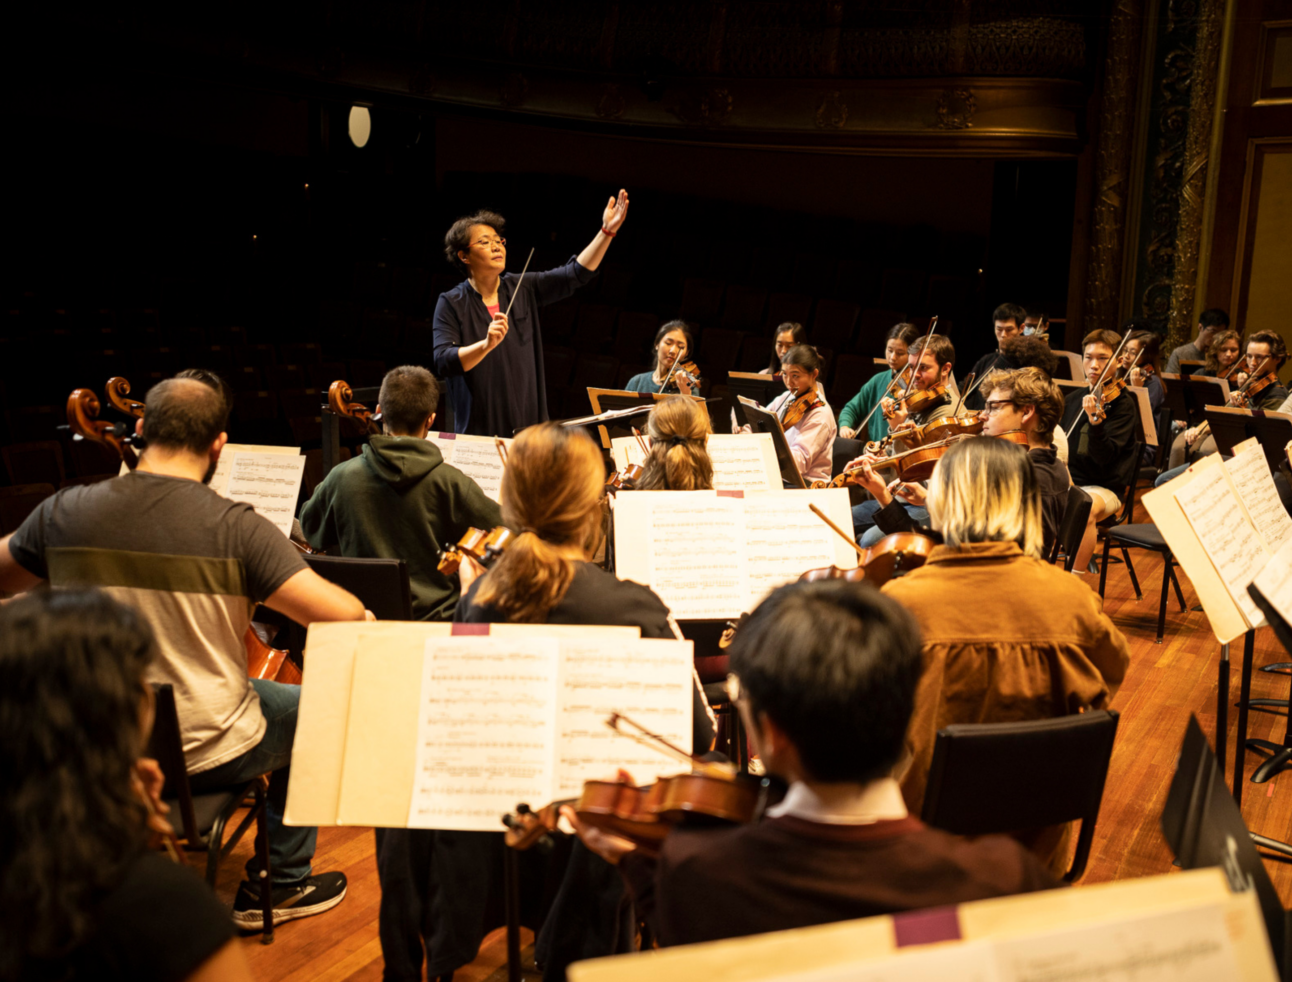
863, 402
399, 500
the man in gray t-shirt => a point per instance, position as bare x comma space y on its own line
195, 565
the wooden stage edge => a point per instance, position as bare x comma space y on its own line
1164, 685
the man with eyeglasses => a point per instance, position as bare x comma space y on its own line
494, 375
824, 677
1008, 320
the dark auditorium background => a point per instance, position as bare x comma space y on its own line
184, 189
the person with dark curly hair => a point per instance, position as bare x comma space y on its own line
494, 374
83, 895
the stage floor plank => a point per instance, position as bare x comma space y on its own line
1164, 685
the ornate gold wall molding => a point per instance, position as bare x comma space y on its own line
1112, 165
1188, 236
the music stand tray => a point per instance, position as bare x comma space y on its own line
760, 388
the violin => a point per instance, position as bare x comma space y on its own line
916, 464
710, 793
1243, 397
483, 547
918, 402
793, 413
900, 381
688, 370
340, 399
939, 429
626, 479
264, 661
891, 556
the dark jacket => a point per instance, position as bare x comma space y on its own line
506, 391
399, 500
1103, 455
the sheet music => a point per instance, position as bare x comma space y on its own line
741, 461
970, 961
1275, 581
696, 556
647, 680
1255, 486
1232, 543
783, 540
1177, 946
269, 482
485, 731
475, 456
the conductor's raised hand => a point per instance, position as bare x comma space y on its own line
615, 213
497, 331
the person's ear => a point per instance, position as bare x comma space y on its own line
1029, 412
430, 422
218, 445
139, 427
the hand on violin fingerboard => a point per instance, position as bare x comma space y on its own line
912, 494
610, 847
898, 414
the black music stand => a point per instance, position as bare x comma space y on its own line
1204, 827
1189, 366
1203, 392
1229, 427
761, 420
760, 388
1273, 431
1177, 399
1280, 754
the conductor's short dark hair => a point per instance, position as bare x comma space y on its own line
458, 237
184, 414
835, 665
408, 395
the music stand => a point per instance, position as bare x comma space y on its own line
1177, 399
1204, 392
1229, 427
1189, 366
761, 420
760, 388
609, 400
1273, 431
1280, 754
1203, 825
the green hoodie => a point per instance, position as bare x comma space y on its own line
399, 500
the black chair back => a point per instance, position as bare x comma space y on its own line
1012, 777
166, 746
382, 584
1071, 527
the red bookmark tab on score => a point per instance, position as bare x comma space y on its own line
730, 494
927, 926
448, 436
470, 630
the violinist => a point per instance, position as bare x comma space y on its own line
806, 417
85, 896
1222, 354
788, 335
195, 564
1144, 351
824, 676
1007, 323
672, 348
1101, 446
897, 354
490, 351
399, 499
678, 459
1024, 641
438, 882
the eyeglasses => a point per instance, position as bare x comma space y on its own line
490, 240
996, 405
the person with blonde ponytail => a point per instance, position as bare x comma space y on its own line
1006, 636
679, 430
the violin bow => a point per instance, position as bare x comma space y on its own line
861, 553
657, 743
502, 449
1099, 382
933, 322
516, 292
971, 385
641, 443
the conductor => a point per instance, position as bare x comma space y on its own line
488, 343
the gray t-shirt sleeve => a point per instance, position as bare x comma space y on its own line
27, 546
268, 558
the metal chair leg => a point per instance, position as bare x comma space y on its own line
511, 901
266, 877
1179, 594
1139, 594
1103, 567
1161, 608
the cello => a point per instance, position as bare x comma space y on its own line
340, 399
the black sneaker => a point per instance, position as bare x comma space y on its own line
312, 896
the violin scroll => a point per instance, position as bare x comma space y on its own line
483, 547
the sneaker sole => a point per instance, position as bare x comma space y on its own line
254, 920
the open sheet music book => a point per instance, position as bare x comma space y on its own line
716, 554
427, 725
475, 456
267, 478
741, 461
1224, 522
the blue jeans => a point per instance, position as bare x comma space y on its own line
863, 521
290, 847
1170, 475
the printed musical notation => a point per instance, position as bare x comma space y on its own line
1254, 484
475, 456
508, 720
696, 557
782, 543
269, 482
741, 461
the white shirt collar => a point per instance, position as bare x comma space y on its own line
878, 801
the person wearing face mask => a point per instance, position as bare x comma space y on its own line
810, 438
672, 347
494, 374
896, 353
1008, 320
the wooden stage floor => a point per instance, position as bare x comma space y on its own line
1165, 684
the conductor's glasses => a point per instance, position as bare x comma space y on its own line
490, 240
